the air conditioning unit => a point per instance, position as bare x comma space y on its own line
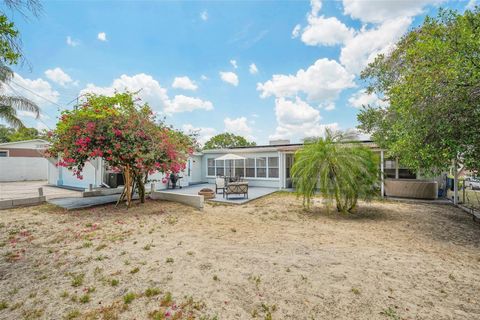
115, 179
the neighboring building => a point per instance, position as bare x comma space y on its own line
23, 160
28, 148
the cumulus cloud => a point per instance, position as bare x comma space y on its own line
204, 15
72, 42
325, 31
384, 10
184, 83
234, 63
181, 103
316, 6
59, 76
229, 77
471, 5
33, 90
362, 98
296, 31
253, 68
297, 119
238, 126
368, 43
203, 133
152, 92
102, 36
324, 80
204, 77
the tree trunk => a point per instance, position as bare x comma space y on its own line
141, 188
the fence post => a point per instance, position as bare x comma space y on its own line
463, 187
152, 187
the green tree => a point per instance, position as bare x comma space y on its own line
227, 140
432, 83
6, 133
338, 168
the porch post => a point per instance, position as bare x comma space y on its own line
396, 168
281, 169
382, 183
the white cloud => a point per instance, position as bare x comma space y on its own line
102, 36
204, 15
229, 77
33, 90
324, 80
72, 42
471, 5
253, 68
326, 31
150, 89
152, 92
184, 83
234, 63
59, 76
329, 107
297, 120
316, 6
203, 133
238, 126
29, 114
362, 98
368, 43
384, 10
204, 77
296, 31
181, 103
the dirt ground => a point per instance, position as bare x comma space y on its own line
268, 259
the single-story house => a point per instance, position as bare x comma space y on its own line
23, 160
262, 166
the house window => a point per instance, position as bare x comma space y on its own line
261, 167
220, 167
273, 167
240, 168
211, 167
250, 168
3, 153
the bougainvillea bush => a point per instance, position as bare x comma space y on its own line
122, 131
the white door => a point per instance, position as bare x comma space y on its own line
194, 167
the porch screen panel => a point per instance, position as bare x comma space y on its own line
262, 167
273, 167
229, 168
250, 168
220, 164
211, 167
240, 168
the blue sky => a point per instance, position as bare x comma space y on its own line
261, 69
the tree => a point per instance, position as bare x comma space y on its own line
8, 134
123, 133
10, 53
227, 140
338, 167
431, 81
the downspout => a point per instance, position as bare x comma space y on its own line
382, 183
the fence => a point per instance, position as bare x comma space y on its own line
468, 194
23, 169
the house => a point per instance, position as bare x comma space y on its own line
23, 160
262, 166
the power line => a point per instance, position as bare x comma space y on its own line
33, 92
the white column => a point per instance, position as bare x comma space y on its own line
455, 182
396, 168
382, 184
281, 170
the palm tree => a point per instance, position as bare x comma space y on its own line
10, 104
338, 167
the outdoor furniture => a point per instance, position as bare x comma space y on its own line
174, 178
410, 188
206, 193
220, 184
236, 188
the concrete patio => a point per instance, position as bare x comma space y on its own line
253, 193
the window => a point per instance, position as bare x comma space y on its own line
273, 167
3, 153
240, 168
220, 167
210, 167
250, 168
261, 167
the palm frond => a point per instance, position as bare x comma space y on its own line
9, 115
20, 103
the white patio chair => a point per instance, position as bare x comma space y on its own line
219, 184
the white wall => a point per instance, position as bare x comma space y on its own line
23, 169
62, 176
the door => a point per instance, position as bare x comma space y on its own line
194, 167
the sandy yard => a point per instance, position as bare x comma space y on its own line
266, 260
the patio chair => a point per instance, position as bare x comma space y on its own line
220, 184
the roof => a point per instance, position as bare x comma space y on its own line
13, 143
291, 147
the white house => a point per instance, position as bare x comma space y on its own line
23, 160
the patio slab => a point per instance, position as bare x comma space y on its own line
80, 203
28, 189
253, 193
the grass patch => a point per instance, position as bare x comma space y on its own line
3, 305
85, 298
150, 292
74, 314
169, 260
134, 270
114, 282
77, 279
129, 297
